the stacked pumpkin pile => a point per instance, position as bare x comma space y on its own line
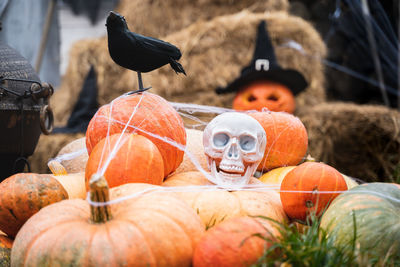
133, 217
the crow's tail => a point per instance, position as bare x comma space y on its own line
176, 66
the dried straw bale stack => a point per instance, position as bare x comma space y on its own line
161, 17
362, 141
214, 52
47, 148
146, 17
112, 80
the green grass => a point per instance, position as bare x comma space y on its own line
314, 247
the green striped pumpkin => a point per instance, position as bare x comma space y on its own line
375, 207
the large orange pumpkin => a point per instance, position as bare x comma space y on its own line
265, 94
310, 188
24, 194
137, 160
155, 229
214, 206
235, 242
287, 139
148, 112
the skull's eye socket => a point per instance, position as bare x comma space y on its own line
220, 139
247, 142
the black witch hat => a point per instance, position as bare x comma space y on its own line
264, 66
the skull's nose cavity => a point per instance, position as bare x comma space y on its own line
233, 152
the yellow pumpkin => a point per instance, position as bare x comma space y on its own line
214, 206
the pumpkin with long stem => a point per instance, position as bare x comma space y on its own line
150, 229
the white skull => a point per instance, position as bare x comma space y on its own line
234, 144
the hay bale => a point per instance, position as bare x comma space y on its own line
47, 148
114, 80
362, 141
214, 52
162, 17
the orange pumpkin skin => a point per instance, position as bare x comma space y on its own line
154, 229
24, 194
265, 94
310, 179
152, 114
138, 160
231, 243
287, 139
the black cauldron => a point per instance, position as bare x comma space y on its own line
24, 111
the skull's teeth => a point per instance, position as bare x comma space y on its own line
231, 168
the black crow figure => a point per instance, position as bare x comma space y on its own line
137, 52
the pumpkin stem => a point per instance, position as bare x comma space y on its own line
56, 168
99, 193
309, 158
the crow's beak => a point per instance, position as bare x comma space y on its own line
112, 15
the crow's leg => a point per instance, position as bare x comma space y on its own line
139, 76
141, 89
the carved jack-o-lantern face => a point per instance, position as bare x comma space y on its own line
265, 94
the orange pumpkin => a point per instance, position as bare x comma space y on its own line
265, 94
155, 229
137, 160
24, 194
150, 113
287, 139
233, 243
310, 187
215, 206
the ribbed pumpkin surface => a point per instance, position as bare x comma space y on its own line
287, 139
151, 113
137, 160
232, 243
155, 229
310, 187
376, 210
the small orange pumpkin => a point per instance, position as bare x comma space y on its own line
287, 139
137, 160
148, 112
24, 194
265, 94
235, 242
310, 187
